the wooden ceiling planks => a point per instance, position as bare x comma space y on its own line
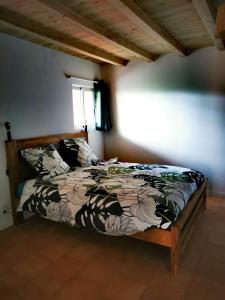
180, 18
39, 17
96, 30
207, 13
30, 37
220, 24
24, 25
143, 20
106, 16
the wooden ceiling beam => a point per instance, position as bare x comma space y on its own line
220, 22
95, 29
139, 17
207, 13
61, 40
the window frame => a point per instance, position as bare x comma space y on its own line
83, 87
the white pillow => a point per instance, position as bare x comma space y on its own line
46, 161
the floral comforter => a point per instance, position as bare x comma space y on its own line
114, 199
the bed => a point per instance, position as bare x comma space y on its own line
119, 181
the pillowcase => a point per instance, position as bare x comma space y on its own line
46, 161
68, 149
80, 152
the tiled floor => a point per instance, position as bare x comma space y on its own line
45, 260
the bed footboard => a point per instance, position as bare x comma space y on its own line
182, 230
177, 237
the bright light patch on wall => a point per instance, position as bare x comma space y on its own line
171, 124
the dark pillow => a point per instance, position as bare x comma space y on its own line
26, 171
78, 152
69, 152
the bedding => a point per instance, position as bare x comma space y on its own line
46, 161
68, 149
76, 151
113, 198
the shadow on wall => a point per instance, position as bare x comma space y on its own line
181, 128
201, 72
128, 151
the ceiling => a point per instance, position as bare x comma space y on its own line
114, 31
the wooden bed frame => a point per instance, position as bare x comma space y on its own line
175, 238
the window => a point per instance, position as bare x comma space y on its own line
83, 107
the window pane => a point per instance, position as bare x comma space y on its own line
89, 108
78, 108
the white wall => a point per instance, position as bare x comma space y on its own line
36, 98
171, 111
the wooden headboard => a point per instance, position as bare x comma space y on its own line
14, 162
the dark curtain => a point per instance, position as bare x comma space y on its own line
102, 108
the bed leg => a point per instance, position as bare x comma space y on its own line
174, 250
174, 260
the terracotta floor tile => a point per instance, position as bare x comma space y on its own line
21, 252
210, 267
161, 293
70, 238
5, 262
14, 255
217, 233
122, 288
215, 252
8, 282
45, 260
202, 229
9, 295
81, 288
101, 268
213, 271
84, 252
205, 289
64, 268
55, 250
167, 286
13, 236
192, 256
117, 253
29, 268
4, 248
40, 243
42, 287
141, 270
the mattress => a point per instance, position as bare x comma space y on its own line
113, 198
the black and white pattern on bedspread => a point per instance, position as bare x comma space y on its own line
114, 199
46, 161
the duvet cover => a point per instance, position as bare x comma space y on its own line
114, 199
